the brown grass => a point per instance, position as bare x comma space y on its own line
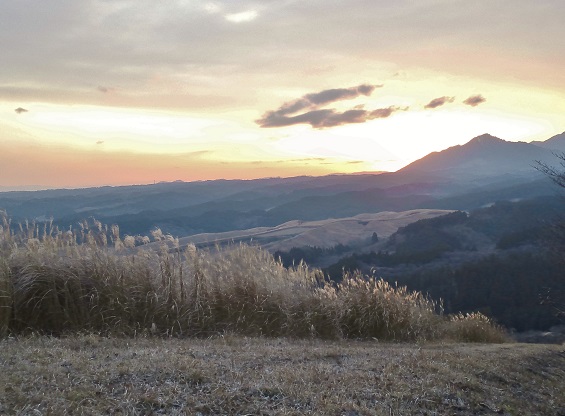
93, 280
93, 375
473, 327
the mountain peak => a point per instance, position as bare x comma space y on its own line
486, 138
484, 155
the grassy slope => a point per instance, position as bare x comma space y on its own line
234, 375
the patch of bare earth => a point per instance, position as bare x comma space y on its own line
253, 376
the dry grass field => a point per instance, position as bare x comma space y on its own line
233, 375
92, 322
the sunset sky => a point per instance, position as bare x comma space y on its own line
112, 92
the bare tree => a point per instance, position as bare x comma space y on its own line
556, 174
556, 235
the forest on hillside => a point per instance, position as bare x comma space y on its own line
500, 260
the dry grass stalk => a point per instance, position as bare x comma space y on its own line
59, 282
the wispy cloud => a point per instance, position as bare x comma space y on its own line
323, 118
385, 112
336, 94
438, 102
199, 44
315, 100
104, 89
20, 110
242, 17
235, 17
475, 100
305, 160
212, 8
328, 117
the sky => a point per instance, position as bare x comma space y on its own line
117, 92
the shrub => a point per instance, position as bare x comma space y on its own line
474, 327
373, 308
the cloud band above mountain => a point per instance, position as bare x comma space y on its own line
307, 109
286, 114
325, 118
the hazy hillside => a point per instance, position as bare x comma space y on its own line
114, 201
493, 259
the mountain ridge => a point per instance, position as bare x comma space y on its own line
484, 155
556, 143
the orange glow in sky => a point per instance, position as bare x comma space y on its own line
131, 92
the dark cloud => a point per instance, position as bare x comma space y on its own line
326, 117
330, 118
105, 90
336, 94
475, 100
20, 110
384, 112
437, 102
315, 100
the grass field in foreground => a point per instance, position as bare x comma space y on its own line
256, 376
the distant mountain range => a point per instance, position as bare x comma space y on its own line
480, 172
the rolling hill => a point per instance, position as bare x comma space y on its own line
322, 233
